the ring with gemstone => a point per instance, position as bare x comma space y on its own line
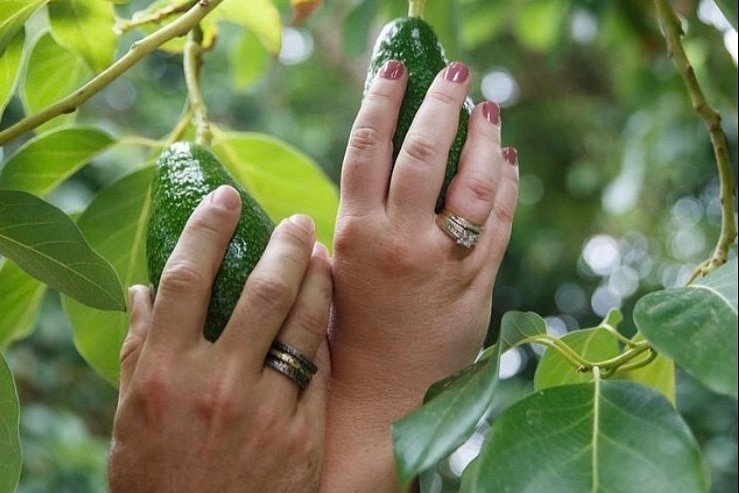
465, 233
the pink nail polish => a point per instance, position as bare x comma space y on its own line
393, 70
491, 112
457, 72
510, 155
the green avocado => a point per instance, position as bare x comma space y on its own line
413, 41
185, 173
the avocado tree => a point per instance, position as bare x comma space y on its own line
600, 413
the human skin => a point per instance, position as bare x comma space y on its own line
410, 305
197, 416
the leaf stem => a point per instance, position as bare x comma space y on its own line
136, 52
192, 61
672, 32
156, 17
415, 8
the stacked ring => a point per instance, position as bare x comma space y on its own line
464, 232
291, 363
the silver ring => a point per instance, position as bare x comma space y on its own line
291, 363
465, 233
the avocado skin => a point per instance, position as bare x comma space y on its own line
184, 174
413, 41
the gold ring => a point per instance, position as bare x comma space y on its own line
465, 233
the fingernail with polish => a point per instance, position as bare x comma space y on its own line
510, 155
457, 72
491, 111
393, 70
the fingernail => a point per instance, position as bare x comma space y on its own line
393, 70
226, 197
303, 222
510, 155
320, 250
457, 72
491, 111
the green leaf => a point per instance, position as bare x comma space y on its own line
115, 225
455, 405
659, 374
52, 72
612, 436
47, 244
10, 67
355, 28
10, 451
596, 344
282, 179
249, 61
13, 14
261, 17
697, 327
20, 297
49, 159
86, 28
729, 9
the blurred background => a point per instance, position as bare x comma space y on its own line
618, 181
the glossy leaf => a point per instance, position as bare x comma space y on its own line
10, 445
52, 72
13, 14
21, 295
612, 436
249, 61
697, 327
260, 17
282, 179
455, 405
47, 244
10, 65
86, 28
49, 159
115, 224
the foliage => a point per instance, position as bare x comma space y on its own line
600, 408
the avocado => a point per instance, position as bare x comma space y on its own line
184, 174
413, 41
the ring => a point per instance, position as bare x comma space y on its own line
291, 363
464, 232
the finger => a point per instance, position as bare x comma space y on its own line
269, 293
305, 327
138, 328
313, 400
181, 301
472, 191
419, 168
500, 221
368, 158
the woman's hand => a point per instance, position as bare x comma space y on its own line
196, 416
411, 305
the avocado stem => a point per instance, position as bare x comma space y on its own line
192, 61
415, 8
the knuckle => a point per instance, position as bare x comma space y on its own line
363, 139
182, 276
443, 97
480, 187
419, 148
270, 292
313, 321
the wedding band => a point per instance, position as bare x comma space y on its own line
463, 232
291, 363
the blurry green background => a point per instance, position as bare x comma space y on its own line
618, 181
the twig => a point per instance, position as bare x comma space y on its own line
155, 17
192, 61
138, 50
672, 33
415, 8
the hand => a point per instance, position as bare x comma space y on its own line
410, 305
196, 416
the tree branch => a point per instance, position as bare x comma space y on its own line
672, 32
136, 52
